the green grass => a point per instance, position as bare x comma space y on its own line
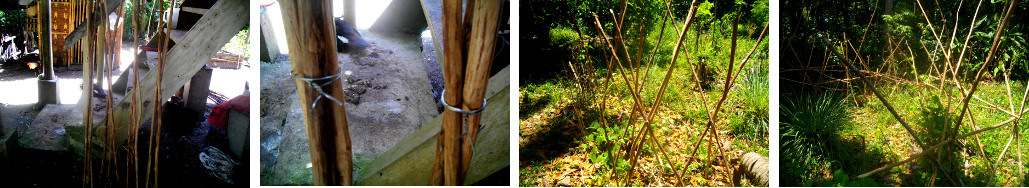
811, 128
885, 141
550, 115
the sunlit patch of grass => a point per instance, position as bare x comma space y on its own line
884, 134
678, 122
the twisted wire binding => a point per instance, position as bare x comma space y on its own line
318, 87
465, 114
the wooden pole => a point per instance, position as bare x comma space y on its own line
47, 85
45, 39
485, 22
312, 48
447, 164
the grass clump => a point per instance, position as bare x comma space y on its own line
810, 127
752, 122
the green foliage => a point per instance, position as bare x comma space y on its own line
12, 19
148, 21
841, 179
809, 129
563, 36
240, 42
607, 141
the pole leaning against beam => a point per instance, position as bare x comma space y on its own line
312, 43
485, 22
447, 161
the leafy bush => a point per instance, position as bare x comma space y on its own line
12, 19
563, 36
841, 179
809, 128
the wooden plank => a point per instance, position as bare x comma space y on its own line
434, 16
405, 163
311, 36
177, 34
196, 49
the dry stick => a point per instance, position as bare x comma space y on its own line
978, 77
931, 29
660, 35
636, 105
87, 93
971, 29
604, 94
668, 74
135, 84
937, 146
635, 96
1022, 107
877, 94
160, 73
732, 82
110, 132
621, 40
484, 22
154, 118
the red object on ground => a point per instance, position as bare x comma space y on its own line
220, 114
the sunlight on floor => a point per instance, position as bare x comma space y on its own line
367, 13
229, 82
27, 91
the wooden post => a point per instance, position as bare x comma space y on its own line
447, 164
47, 85
485, 22
465, 84
311, 37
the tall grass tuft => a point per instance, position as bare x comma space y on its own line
752, 123
809, 128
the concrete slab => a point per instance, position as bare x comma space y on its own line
47, 130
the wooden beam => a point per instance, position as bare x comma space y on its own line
196, 49
311, 36
434, 17
394, 167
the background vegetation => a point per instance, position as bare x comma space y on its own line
571, 133
910, 50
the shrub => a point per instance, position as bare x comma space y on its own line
809, 128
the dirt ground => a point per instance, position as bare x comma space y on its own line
388, 97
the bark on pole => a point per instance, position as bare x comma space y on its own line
45, 39
447, 164
483, 35
312, 44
